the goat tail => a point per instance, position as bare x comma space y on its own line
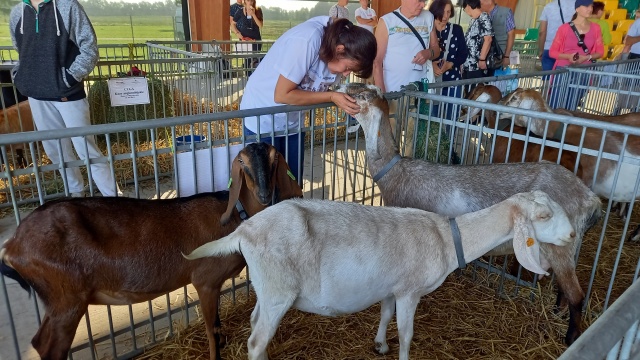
225, 246
596, 213
11, 273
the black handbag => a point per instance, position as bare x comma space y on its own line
495, 55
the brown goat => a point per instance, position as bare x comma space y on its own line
603, 183
491, 94
17, 118
118, 251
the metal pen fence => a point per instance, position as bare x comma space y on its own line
609, 261
335, 169
144, 157
528, 55
614, 335
161, 171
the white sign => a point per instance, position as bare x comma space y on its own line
128, 91
244, 47
200, 177
514, 57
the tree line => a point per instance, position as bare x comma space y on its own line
168, 8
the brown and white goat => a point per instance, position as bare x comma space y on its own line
602, 181
17, 118
491, 94
118, 251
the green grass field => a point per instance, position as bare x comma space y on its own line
123, 30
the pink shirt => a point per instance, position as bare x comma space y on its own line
567, 42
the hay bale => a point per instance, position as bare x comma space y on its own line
430, 141
160, 106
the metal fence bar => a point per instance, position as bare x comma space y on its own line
606, 332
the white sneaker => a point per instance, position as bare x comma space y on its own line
78, 194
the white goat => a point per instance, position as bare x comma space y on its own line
333, 258
453, 190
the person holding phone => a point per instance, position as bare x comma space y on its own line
576, 42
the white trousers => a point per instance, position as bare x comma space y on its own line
51, 115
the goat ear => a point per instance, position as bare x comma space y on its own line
285, 181
237, 176
525, 246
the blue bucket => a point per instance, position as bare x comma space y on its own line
186, 140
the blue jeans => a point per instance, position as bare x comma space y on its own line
292, 147
564, 96
547, 63
448, 109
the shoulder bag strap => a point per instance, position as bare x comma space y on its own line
580, 42
561, 15
446, 51
415, 32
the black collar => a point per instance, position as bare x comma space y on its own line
386, 168
457, 242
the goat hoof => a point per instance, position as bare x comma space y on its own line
223, 341
572, 336
381, 348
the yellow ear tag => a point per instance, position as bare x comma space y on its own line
378, 133
291, 175
229, 184
530, 242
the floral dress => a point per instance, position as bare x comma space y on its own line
478, 29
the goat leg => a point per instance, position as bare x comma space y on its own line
569, 287
55, 335
209, 297
21, 161
635, 235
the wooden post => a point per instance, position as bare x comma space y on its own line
383, 7
209, 19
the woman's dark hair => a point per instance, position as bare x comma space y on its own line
438, 7
359, 45
474, 4
598, 6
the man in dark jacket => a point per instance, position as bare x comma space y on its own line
57, 47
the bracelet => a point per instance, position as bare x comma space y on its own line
482, 60
432, 53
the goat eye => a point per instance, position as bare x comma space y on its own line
544, 216
241, 161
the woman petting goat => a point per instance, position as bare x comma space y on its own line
299, 69
453, 190
72, 255
371, 254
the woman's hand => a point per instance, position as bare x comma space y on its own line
345, 102
437, 70
421, 57
251, 10
482, 64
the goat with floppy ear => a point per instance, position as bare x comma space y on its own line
73, 255
259, 165
303, 262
